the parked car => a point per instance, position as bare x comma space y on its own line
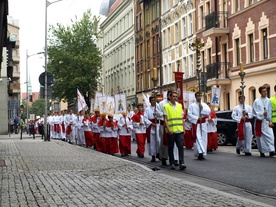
227, 129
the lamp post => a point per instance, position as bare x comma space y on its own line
47, 3
27, 82
196, 46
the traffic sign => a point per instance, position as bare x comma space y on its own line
50, 79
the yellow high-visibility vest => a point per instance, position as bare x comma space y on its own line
174, 117
273, 103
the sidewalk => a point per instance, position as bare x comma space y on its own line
55, 173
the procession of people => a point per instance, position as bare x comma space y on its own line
165, 128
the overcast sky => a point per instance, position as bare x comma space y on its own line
31, 16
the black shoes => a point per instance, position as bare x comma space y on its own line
238, 151
153, 159
176, 163
200, 156
172, 167
247, 154
164, 162
182, 167
140, 155
262, 155
271, 154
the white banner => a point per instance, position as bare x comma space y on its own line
146, 100
188, 98
120, 103
215, 96
96, 102
81, 101
110, 105
102, 102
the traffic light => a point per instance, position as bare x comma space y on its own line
31, 98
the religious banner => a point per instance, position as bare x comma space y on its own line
96, 101
179, 86
186, 99
215, 96
120, 103
110, 105
102, 104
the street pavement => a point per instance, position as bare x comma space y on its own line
55, 173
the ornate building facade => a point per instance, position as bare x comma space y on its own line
117, 46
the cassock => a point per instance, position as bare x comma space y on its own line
244, 128
199, 132
211, 121
125, 130
264, 134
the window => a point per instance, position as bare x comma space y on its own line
176, 39
170, 73
184, 67
201, 18
169, 37
237, 51
265, 43
184, 30
191, 64
236, 5
165, 39
190, 24
148, 48
208, 8
251, 48
209, 56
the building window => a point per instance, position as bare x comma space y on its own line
184, 30
164, 39
209, 56
265, 43
201, 17
236, 5
190, 24
170, 73
184, 67
176, 33
237, 51
251, 48
208, 8
148, 48
191, 62
169, 37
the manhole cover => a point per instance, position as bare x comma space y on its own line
2, 163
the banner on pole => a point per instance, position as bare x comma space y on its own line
120, 103
179, 86
81, 102
215, 96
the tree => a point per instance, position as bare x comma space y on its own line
74, 59
37, 107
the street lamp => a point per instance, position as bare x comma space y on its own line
27, 82
196, 46
47, 3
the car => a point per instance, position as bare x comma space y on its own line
227, 129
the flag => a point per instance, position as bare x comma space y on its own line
81, 101
215, 96
146, 100
179, 86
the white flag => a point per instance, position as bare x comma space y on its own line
81, 101
215, 96
146, 100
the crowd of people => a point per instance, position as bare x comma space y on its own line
166, 128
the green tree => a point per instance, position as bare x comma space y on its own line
74, 59
37, 107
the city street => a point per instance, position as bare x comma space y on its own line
55, 173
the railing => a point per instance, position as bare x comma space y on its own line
217, 70
216, 19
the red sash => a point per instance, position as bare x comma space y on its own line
63, 127
241, 129
56, 128
258, 128
68, 130
194, 127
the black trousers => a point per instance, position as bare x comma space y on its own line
177, 138
274, 132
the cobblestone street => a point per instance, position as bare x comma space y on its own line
38, 173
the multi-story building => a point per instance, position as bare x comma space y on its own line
117, 46
237, 32
178, 32
147, 45
10, 77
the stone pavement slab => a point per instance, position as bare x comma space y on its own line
55, 173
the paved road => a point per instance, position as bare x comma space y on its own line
38, 173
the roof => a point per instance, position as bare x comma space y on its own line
105, 6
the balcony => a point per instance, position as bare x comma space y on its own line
216, 24
218, 74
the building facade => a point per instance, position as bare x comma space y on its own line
117, 46
236, 32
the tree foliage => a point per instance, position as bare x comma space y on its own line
74, 59
38, 107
